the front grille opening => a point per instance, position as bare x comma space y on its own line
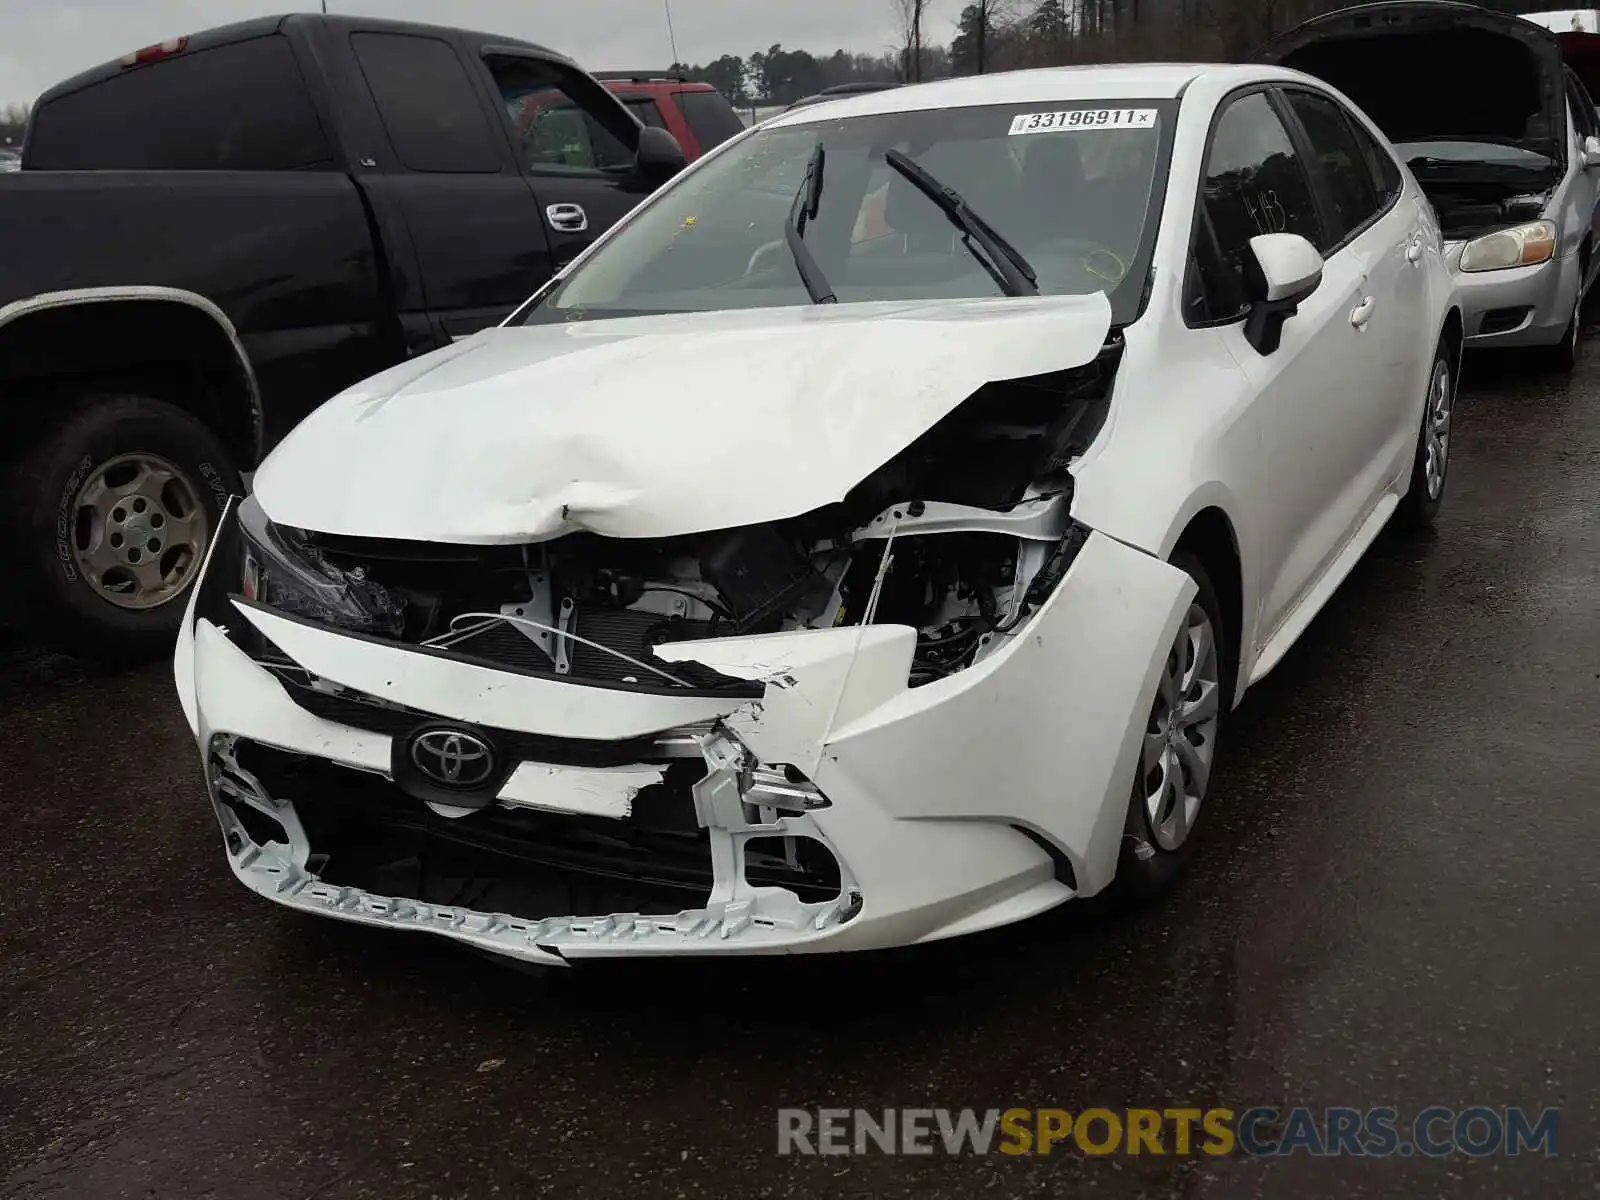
518, 862
366, 833
1501, 320
803, 865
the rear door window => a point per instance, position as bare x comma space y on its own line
238, 107
429, 108
711, 117
647, 110
1337, 160
1381, 167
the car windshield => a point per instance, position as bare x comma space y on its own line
1071, 187
1469, 152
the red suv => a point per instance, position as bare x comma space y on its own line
698, 115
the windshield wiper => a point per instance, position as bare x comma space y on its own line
1478, 166
803, 210
1011, 272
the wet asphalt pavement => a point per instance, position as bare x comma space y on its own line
1397, 903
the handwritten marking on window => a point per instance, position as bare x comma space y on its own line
1266, 211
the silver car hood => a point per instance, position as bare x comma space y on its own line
655, 426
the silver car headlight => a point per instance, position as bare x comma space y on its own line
282, 571
1519, 246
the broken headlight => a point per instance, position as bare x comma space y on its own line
282, 571
1519, 246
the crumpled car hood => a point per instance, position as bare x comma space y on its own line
655, 426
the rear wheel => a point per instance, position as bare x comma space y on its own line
117, 504
1431, 464
1178, 750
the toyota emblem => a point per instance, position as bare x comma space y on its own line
452, 758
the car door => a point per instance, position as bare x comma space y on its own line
574, 143
1255, 182
470, 212
1362, 216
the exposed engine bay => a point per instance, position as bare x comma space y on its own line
1468, 207
959, 536
1473, 101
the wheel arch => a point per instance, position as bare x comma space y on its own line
1210, 536
174, 343
1452, 334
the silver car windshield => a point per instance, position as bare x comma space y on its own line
1071, 186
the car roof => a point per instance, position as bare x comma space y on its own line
1123, 81
240, 31
673, 86
842, 89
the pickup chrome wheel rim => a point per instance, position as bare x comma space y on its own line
1180, 740
1436, 430
138, 531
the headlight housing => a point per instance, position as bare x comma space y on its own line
280, 570
1519, 246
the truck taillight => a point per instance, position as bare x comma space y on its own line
156, 53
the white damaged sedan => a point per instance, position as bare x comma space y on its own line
864, 543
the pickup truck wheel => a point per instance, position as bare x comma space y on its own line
118, 502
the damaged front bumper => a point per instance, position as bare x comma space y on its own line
828, 806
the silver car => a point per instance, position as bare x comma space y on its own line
1500, 134
10, 160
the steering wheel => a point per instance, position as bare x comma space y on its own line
1099, 260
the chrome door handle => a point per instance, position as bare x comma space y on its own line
1362, 313
568, 218
1414, 250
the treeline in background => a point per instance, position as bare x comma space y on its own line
1003, 35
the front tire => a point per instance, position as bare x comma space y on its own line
1178, 753
117, 503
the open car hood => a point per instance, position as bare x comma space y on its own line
655, 426
1438, 70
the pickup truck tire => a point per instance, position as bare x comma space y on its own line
117, 502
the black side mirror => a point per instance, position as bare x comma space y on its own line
658, 158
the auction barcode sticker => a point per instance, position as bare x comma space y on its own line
1084, 118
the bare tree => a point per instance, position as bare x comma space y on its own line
909, 14
991, 14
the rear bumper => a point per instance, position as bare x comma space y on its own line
967, 803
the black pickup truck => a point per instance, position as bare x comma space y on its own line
212, 236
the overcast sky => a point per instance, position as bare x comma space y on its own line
44, 41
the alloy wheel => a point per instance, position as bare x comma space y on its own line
1436, 429
139, 531
1180, 739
